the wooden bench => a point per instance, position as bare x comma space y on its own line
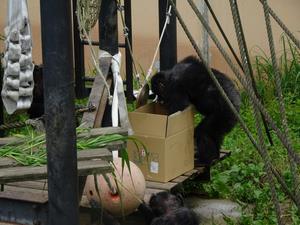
90, 161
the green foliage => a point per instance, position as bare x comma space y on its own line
31, 149
289, 68
242, 178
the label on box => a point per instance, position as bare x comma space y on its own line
154, 167
143, 152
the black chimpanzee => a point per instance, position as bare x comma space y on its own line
167, 209
37, 106
188, 82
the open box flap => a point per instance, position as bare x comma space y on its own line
180, 121
148, 124
152, 120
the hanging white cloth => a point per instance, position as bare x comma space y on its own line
18, 67
119, 107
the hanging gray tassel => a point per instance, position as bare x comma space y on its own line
17, 63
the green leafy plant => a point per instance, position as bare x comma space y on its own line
289, 68
30, 149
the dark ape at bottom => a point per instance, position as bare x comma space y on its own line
167, 209
188, 82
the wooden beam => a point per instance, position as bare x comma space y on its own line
97, 93
24, 194
23, 173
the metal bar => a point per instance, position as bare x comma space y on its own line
60, 112
129, 69
108, 27
80, 89
168, 47
108, 36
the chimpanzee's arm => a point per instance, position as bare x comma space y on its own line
147, 212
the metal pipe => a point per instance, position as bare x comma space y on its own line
108, 36
129, 68
56, 26
108, 27
80, 89
168, 47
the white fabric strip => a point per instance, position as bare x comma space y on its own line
119, 107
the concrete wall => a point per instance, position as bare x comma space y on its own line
145, 27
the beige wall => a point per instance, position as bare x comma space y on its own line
145, 27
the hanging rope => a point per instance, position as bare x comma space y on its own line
223, 94
143, 92
223, 34
281, 24
167, 21
125, 32
239, 62
280, 97
247, 69
247, 87
82, 15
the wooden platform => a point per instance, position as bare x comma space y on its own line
37, 191
89, 162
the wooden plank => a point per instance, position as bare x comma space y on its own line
191, 172
30, 184
22, 173
103, 131
160, 186
7, 162
180, 179
93, 167
98, 153
24, 194
102, 106
89, 133
116, 145
6, 140
88, 118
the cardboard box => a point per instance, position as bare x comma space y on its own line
169, 142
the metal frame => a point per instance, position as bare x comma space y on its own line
168, 47
60, 121
58, 46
